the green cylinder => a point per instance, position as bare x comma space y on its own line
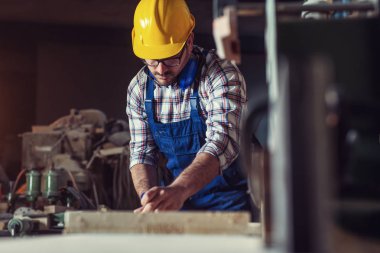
51, 184
33, 185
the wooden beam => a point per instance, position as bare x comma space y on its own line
160, 223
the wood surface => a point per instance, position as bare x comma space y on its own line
161, 223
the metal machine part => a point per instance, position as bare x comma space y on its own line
26, 220
33, 184
23, 211
79, 162
51, 185
70, 169
39, 147
17, 226
20, 223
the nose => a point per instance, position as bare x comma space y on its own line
161, 68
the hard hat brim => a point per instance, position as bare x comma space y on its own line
155, 51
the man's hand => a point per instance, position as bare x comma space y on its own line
199, 173
162, 199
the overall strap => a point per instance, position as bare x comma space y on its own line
149, 95
194, 97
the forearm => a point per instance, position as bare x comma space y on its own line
199, 173
144, 177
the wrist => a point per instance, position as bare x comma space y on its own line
183, 191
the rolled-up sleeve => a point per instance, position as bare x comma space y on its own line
142, 146
225, 90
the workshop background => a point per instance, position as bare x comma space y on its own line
64, 54
313, 75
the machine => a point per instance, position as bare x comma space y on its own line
79, 162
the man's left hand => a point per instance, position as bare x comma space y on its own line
162, 199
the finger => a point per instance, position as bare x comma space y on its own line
150, 207
163, 205
138, 210
149, 195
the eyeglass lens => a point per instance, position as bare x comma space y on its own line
171, 62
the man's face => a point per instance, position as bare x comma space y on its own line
167, 70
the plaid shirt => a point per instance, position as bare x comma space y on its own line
222, 95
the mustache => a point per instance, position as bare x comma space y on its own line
165, 74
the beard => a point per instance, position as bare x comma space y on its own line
166, 78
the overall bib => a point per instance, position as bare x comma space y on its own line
180, 142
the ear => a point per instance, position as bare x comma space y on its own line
190, 41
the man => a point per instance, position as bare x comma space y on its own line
186, 103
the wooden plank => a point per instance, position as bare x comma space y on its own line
41, 129
254, 229
54, 209
160, 223
43, 223
3, 225
3, 207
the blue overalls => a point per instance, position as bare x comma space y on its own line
180, 142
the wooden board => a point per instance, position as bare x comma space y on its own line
3, 207
54, 209
161, 223
3, 225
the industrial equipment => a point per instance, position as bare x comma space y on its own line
79, 162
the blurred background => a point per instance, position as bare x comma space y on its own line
58, 55
311, 147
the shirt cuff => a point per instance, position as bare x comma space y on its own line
146, 160
211, 149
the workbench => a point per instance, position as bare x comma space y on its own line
141, 243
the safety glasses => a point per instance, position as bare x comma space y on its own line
169, 62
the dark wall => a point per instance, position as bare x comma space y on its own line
48, 69
17, 98
45, 70
82, 76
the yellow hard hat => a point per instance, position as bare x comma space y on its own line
161, 28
